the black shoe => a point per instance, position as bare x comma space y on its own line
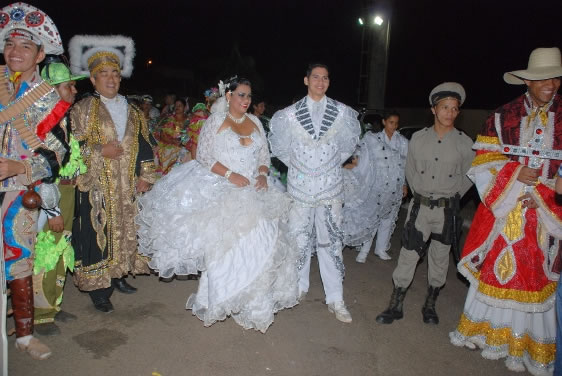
103, 305
46, 329
429, 313
63, 316
122, 286
394, 310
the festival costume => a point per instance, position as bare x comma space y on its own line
29, 110
194, 219
40, 162
53, 252
104, 233
314, 146
373, 190
167, 153
511, 258
106, 247
194, 129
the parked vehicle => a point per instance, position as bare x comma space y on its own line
371, 120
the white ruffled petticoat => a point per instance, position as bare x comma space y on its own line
236, 236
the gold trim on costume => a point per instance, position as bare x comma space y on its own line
488, 158
148, 171
505, 265
513, 228
103, 59
543, 353
529, 297
494, 140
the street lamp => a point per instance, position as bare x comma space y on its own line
374, 60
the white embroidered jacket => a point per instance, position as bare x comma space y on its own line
314, 159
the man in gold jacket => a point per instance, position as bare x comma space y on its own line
117, 151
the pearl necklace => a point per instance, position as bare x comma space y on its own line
237, 121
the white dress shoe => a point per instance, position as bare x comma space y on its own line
341, 311
383, 255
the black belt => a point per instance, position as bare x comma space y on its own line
426, 201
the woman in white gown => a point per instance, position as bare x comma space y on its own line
216, 214
374, 189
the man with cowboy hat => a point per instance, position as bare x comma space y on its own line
438, 159
116, 147
53, 251
30, 154
511, 255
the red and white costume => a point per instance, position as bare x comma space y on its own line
511, 253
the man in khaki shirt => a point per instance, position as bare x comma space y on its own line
438, 159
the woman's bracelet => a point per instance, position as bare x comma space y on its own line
227, 174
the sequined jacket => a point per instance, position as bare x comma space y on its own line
93, 127
43, 162
315, 175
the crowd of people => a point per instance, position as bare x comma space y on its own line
107, 188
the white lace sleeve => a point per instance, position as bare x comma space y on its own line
280, 137
206, 153
264, 157
348, 136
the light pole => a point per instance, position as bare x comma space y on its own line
378, 62
374, 60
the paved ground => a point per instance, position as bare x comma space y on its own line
151, 334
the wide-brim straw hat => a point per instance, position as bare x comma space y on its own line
544, 63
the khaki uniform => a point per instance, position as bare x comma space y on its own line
435, 168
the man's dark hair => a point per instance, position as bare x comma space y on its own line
315, 65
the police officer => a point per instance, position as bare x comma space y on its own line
438, 159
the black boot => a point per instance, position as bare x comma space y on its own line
100, 298
428, 309
394, 310
122, 286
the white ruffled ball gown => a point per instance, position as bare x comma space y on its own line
194, 219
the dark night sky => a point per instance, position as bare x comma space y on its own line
470, 41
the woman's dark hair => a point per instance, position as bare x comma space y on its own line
182, 100
389, 114
233, 82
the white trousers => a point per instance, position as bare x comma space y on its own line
320, 228
384, 233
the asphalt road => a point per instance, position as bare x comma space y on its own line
151, 334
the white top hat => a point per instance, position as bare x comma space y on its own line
22, 16
544, 63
